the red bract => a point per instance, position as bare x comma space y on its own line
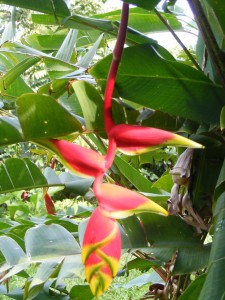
49, 204
101, 251
118, 202
79, 160
132, 139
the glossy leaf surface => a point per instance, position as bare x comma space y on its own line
159, 83
41, 116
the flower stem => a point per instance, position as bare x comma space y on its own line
117, 54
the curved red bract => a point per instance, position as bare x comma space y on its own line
134, 139
79, 160
101, 251
118, 202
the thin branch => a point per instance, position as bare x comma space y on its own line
117, 54
178, 40
212, 47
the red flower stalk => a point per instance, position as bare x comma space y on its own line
132, 139
49, 204
79, 160
117, 54
118, 202
101, 251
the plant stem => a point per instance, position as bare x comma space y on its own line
178, 40
117, 54
209, 39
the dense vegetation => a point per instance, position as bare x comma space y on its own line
52, 86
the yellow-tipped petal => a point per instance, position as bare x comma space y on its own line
101, 251
118, 202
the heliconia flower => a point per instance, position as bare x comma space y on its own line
101, 251
133, 139
79, 160
118, 202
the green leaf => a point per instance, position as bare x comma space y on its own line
45, 270
144, 21
10, 29
12, 252
143, 3
85, 61
220, 186
66, 50
100, 25
133, 175
71, 267
20, 174
170, 235
42, 117
15, 72
141, 280
75, 184
215, 14
194, 289
86, 23
142, 264
164, 85
165, 183
214, 284
91, 103
10, 131
80, 292
52, 7
50, 241
222, 119
135, 232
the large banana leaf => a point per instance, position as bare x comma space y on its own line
158, 84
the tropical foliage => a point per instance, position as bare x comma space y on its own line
91, 130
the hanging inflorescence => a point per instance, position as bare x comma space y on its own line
101, 248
